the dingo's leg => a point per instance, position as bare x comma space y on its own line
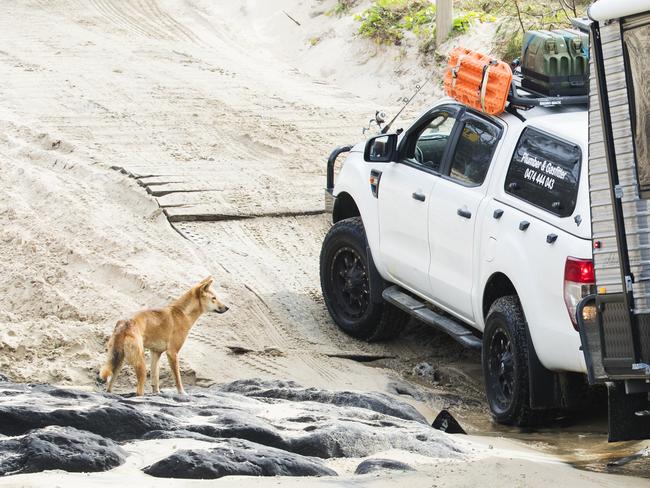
141, 373
155, 371
173, 364
134, 352
116, 371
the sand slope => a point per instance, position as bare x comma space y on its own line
221, 109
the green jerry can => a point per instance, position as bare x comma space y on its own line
555, 62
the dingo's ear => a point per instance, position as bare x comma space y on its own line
206, 283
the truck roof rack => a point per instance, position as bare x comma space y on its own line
530, 98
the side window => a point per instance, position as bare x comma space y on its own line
545, 171
432, 141
473, 152
637, 40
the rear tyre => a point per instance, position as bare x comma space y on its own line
352, 287
505, 364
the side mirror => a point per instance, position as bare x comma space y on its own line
381, 149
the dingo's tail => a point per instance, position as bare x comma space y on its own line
115, 350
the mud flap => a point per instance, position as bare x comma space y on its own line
375, 277
549, 390
541, 386
625, 423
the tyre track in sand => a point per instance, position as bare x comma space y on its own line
274, 263
144, 17
213, 127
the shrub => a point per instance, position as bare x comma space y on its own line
386, 20
342, 7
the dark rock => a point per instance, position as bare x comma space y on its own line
63, 448
115, 421
303, 419
177, 434
241, 427
3, 378
349, 439
289, 390
62, 392
236, 457
426, 370
372, 465
401, 387
277, 416
447, 423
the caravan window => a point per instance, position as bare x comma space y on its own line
636, 38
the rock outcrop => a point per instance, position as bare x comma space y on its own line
236, 457
249, 427
374, 465
63, 448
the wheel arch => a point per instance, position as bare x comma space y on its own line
498, 285
344, 207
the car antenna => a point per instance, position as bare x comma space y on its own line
417, 90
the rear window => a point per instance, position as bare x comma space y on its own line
545, 172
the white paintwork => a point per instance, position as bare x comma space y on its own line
404, 243
615, 9
464, 253
452, 269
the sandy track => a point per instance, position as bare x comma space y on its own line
184, 97
270, 266
203, 105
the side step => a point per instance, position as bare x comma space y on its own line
418, 309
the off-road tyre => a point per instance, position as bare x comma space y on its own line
352, 290
505, 365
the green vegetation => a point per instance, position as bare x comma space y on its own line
388, 21
518, 16
342, 7
463, 22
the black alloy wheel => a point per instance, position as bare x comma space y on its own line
349, 278
352, 287
505, 360
501, 369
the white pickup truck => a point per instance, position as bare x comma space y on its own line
480, 226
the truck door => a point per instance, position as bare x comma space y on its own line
453, 211
404, 192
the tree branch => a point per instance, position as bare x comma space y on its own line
521, 22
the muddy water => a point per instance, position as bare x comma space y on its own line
457, 385
580, 442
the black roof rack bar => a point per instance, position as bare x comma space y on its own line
539, 100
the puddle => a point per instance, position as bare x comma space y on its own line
580, 442
580, 439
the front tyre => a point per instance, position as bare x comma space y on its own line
505, 364
352, 287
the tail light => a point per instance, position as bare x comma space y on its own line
579, 281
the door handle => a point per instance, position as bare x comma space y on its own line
418, 196
464, 213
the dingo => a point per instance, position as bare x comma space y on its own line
162, 330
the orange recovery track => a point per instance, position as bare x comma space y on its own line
478, 81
